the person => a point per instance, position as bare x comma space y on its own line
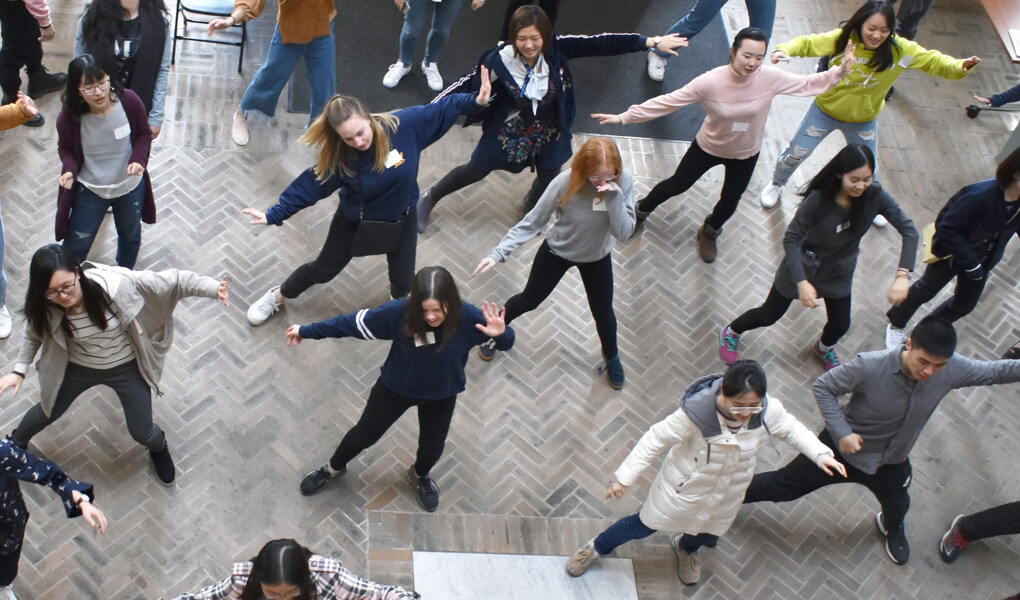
97, 325
853, 106
761, 13
528, 124
594, 206
24, 26
17, 464
971, 233
713, 438
737, 98
284, 568
131, 39
103, 139
821, 246
415, 15
893, 393
431, 332
1010, 95
372, 160
303, 30
1003, 519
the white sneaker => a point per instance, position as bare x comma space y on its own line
771, 195
260, 312
6, 324
879, 221
239, 130
432, 76
656, 66
7, 593
895, 339
395, 73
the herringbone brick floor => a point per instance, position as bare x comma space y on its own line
537, 434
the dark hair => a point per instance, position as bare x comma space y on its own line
85, 68
744, 376
280, 561
527, 16
99, 27
829, 181
1008, 170
935, 336
749, 33
46, 261
884, 57
433, 283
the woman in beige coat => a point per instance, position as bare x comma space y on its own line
715, 434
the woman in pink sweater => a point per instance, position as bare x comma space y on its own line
737, 98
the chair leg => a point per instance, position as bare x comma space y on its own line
173, 51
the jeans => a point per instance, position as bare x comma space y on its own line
468, 173
631, 528
414, 22
909, 16
692, 166
935, 277
88, 212
814, 128
383, 409
320, 58
998, 520
132, 390
20, 47
762, 14
836, 309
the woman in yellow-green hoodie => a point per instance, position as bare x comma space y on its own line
853, 105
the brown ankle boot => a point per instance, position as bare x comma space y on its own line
706, 243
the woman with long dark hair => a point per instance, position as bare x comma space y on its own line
821, 245
131, 40
96, 325
286, 570
103, 138
432, 333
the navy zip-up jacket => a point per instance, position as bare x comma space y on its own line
975, 226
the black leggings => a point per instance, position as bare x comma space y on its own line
776, 305
9, 565
546, 272
20, 47
998, 520
383, 409
469, 173
692, 166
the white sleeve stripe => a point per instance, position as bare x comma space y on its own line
363, 329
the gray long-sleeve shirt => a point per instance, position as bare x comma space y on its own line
585, 229
888, 408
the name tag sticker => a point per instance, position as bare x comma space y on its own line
394, 159
906, 61
842, 227
740, 126
122, 132
598, 205
430, 339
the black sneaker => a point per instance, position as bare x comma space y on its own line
36, 121
313, 482
164, 465
428, 491
1013, 353
896, 546
43, 82
487, 350
889, 94
614, 372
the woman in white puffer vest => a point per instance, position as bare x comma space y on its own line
714, 437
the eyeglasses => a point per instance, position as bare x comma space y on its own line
744, 410
597, 179
96, 88
65, 290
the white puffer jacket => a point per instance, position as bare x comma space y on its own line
703, 479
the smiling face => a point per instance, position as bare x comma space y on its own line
529, 43
857, 181
875, 31
740, 408
356, 132
748, 58
433, 312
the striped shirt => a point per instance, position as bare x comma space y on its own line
90, 346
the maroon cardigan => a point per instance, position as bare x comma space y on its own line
71, 157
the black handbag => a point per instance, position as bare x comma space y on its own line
377, 237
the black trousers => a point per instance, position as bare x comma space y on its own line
19, 32
692, 166
998, 520
469, 173
9, 565
935, 277
546, 272
383, 409
836, 309
336, 253
801, 476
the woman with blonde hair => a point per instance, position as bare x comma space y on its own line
594, 206
371, 161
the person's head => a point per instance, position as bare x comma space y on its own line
595, 163
55, 278
931, 345
280, 572
743, 390
851, 171
530, 32
102, 17
434, 302
1007, 174
748, 51
345, 128
89, 88
874, 24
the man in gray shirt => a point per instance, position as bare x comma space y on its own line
893, 393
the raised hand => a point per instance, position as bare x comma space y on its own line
605, 119
495, 320
670, 42
485, 89
971, 62
258, 217
848, 59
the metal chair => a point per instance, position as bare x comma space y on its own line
206, 8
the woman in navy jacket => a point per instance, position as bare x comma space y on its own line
533, 109
432, 332
371, 160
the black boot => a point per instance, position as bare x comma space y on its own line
164, 465
43, 82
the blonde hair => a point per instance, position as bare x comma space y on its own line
333, 152
589, 158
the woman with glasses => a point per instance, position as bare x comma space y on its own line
594, 207
713, 438
103, 138
97, 325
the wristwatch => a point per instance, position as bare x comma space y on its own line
655, 41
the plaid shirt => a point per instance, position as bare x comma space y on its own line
332, 582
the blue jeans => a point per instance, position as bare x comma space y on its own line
631, 528
761, 13
320, 58
87, 214
815, 126
414, 23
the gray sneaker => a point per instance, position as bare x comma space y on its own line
582, 559
264, 308
424, 209
687, 567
